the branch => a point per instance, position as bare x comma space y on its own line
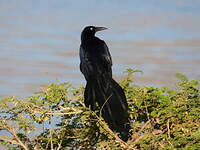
136, 137
3, 138
106, 128
60, 145
13, 132
168, 129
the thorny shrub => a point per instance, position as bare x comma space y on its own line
56, 118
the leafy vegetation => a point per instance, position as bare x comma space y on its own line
56, 118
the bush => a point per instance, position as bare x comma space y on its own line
56, 118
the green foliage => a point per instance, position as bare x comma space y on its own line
56, 118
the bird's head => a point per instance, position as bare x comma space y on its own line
90, 31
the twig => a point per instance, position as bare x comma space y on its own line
142, 128
106, 128
59, 145
62, 113
12, 131
168, 129
104, 104
9, 140
58, 112
51, 137
47, 145
51, 141
136, 137
146, 110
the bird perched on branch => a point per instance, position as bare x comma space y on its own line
102, 91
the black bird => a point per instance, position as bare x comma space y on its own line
102, 91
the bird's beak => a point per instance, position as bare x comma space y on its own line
100, 28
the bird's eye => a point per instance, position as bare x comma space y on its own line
91, 28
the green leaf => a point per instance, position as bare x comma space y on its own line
181, 77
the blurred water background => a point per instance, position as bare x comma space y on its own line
39, 40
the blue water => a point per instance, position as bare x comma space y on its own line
39, 40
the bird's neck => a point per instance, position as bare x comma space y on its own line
86, 37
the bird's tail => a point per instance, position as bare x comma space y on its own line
109, 97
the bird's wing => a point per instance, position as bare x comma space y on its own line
106, 57
102, 58
85, 64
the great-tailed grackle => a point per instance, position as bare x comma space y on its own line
101, 90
